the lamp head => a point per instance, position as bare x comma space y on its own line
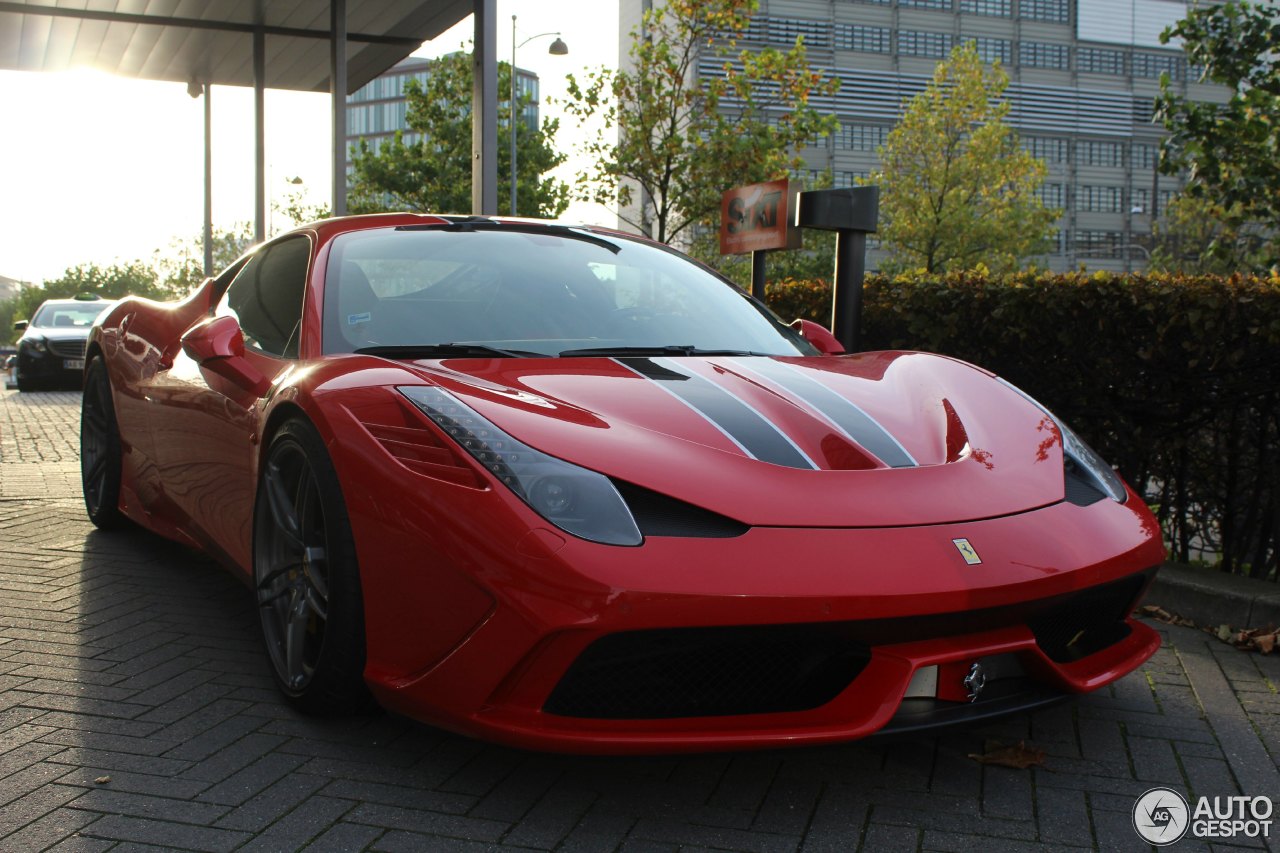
558, 47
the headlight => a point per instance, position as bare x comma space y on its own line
576, 500
37, 344
1092, 466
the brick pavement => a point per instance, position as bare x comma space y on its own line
125, 657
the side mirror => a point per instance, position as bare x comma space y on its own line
20, 326
819, 336
217, 345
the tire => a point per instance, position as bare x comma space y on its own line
305, 577
100, 450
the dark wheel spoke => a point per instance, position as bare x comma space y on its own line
283, 511
317, 603
295, 641
97, 470
313, 561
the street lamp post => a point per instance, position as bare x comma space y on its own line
558, 48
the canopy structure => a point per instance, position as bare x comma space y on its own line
307, 45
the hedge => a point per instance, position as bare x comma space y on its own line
1175, 380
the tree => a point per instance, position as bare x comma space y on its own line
110, 282
1196, 237
1231, 151
956, 188
683, 135
432, 173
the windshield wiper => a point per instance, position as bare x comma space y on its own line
677, 349
457, 350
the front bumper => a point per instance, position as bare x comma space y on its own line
525, 613
62, 361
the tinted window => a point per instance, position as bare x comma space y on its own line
74, 314
534, 291
266, 297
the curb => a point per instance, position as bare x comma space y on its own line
1212, 598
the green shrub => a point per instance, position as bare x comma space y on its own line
1175, 380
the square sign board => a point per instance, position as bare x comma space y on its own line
758, 217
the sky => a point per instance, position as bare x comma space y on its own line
97, 168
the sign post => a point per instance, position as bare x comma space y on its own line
757, 218
852, 213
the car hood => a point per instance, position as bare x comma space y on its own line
873, 439
58, 333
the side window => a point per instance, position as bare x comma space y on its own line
266, 297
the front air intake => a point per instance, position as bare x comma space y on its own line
710, 672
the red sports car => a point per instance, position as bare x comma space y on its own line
564, 488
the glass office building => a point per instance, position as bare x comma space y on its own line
1083, 75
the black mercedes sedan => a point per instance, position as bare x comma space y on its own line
51, 349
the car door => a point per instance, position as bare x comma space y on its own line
205, 426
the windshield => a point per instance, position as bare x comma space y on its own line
546, 291
69, 314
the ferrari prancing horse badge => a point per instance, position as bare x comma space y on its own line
967, 551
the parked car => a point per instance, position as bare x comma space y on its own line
563, 488
51, 349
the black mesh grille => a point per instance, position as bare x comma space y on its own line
658, 515
1079, 490
705, 672
1087, 622
68, 349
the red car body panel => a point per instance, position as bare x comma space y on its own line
476, 606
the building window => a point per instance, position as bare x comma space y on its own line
785, 31
1097, 60
1100, 244
1154, 64
1041, 55
1001, 8
992, 49
863, 38
861, 137
922, 43
1144, 156
927, 4
1048, 149
1090, 153
850, 179
1050, 194
1057, 11
1100, 199
875, 2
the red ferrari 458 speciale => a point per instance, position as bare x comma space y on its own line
566, 489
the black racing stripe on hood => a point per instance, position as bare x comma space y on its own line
844, 414
758, 437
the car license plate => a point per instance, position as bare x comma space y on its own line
73, 363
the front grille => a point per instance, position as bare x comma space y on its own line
1088, 621
68, 349
710, 672
761, 669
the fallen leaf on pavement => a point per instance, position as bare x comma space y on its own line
102, 780
1019, 757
